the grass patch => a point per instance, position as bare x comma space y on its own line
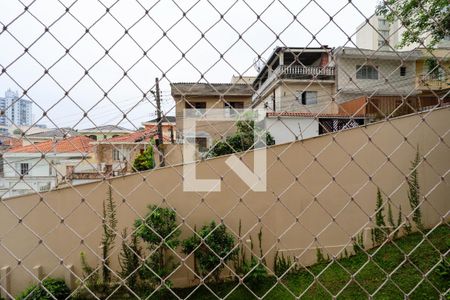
370, 275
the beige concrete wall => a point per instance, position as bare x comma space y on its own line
302, 201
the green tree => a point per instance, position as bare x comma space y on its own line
390, 218
145, 160
414, 191
380, 225
419, 17
160, 232
242, 140
213, 247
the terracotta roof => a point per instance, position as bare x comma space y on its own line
135, 137
10, 142
311, 115
167, 119
77, 144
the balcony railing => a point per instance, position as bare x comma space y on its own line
308, 72
433, 81
297, 72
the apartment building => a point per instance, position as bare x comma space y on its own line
18, 110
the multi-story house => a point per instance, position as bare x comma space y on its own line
386, 78
18, 110
48, 135
25, 171
433, 77
120, 152
104, 132
297, 79
200, 97
168, 126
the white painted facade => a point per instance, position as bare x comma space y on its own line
378, 33
288, 129
43, 175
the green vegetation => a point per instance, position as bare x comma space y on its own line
254, 269
242, 140
414, 192
371, 276
420, 18
160, 232
380, 226
98, 279
213, 247
145, 160
50, 288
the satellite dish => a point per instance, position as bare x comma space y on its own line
258, 64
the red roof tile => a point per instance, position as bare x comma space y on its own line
77, 144
135, 137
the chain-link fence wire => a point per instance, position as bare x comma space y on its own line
355, 213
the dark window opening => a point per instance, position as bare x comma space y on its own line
402, 71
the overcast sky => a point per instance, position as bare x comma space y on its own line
183, 34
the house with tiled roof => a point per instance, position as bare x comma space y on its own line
43, 166
102, 132
121, 151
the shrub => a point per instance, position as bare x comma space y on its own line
50, 288
158, 224
358, 243
242, 140
380, 225
130, 260
145, 160
210, 245
281, 264
414, 191
253, 269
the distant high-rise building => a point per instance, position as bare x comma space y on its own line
380, 34
18, 110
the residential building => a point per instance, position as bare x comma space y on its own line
120, 152
26, 171
299, 79
200, 97
104, 132
48, 135
379, 33
433, 76
168, 126
17, 110
387, 78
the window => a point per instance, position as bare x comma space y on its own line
202, 143
233, 106
50, 168
382, 43
196, 105
382, 22
195, 108
384, 33
116, 154
24, 168
309, 97
402, 71
366, 72
92, 136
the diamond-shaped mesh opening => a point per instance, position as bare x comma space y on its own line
224, 149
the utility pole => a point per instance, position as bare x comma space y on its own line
159, 120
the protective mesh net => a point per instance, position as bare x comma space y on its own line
133, 167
